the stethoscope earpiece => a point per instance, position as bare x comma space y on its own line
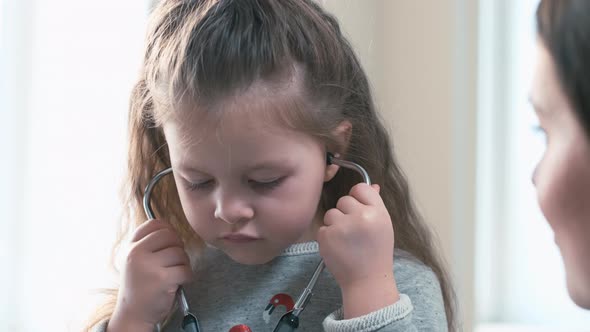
329, 157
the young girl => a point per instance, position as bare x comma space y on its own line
244, 99
561, 96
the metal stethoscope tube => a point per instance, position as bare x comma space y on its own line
290, 320
189, 322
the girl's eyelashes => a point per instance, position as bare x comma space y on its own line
255, 184
266, 185
202, 185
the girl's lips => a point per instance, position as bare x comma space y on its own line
237, 237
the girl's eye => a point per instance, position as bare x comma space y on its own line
266, 185
199, 185
258, 185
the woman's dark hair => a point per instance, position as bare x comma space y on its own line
564, 28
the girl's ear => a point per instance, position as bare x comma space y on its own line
341, 135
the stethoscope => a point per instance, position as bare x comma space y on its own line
290, 320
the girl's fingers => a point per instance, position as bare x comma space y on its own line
148, 227
332, 216
179, 275
172, 256
376, 187
347, 204
160, 239
366, 194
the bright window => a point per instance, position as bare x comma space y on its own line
69, 67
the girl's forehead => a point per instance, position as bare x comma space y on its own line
236, 139
219, 123
247, 122
260, 108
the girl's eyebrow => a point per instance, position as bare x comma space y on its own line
188, 169
271, 164
263, 165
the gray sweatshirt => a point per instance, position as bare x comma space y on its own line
231, 297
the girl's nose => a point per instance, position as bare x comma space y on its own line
232, 209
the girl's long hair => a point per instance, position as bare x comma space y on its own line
199, 52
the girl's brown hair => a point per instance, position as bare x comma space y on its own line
202, 51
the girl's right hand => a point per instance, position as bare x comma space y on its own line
156, 266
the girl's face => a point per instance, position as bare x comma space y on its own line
247, 187
562, 177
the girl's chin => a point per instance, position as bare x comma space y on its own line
249, 259
250, 256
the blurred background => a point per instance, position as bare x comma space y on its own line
451, 78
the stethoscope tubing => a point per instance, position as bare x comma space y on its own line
290, 321
190, 322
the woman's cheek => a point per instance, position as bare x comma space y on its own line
547, 185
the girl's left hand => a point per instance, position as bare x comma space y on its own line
357, 244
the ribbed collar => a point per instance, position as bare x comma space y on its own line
301, 249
